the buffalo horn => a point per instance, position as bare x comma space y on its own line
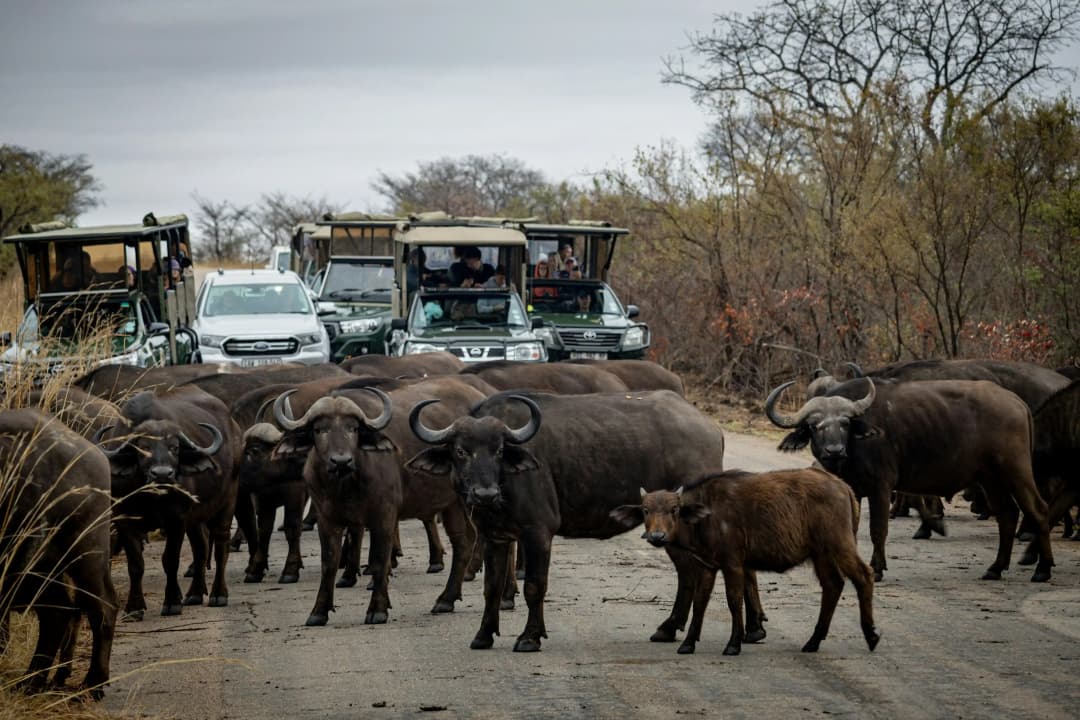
782, 421
100, 435
387, 412
861, 406
422, 431
857, 372
214, 445
284, 420
524, 434
262, 409
818, 372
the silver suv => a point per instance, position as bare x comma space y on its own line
258, 317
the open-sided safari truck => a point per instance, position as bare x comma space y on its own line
442, 303
346, 259
122, 294
583, 318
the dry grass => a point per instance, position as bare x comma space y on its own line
11, 302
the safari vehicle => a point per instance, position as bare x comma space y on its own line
601, 329
434, 313
99, 295
346, 260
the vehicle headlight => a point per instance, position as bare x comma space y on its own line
310, 338
213, 341
526, 351
415, 348
635, 337
360, 326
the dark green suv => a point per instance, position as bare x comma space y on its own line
354, 304
584, 319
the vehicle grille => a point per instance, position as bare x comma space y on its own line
468, 353
260, 348
599, 342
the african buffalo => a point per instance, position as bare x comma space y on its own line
354, 474
422, 365
638, 374
182, 446
558, 378
230, 388
525, 480
739, 523
54, 541
117, 382
926, 438
84, 413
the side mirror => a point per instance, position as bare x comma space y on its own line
537, 322
632, 311
399, 324
5, 339
158, 328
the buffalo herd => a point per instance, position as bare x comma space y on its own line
505, 457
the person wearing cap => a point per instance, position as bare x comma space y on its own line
174, 272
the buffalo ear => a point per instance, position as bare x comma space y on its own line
375, 442
628, 515
433, 461
517, 459
796, 439
694, 512
861, 430
293, 442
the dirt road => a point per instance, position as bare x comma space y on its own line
952, 646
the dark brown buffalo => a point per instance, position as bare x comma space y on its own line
54, 543
740, 523
229, 389
558, 378
84, 413
117, 382
354, 475
404, 366
638, 374
528, 481
174, 468
925, 438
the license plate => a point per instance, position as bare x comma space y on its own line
588, 356
256, 362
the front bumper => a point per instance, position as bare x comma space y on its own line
306, 355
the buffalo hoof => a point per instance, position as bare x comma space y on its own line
253, 577
307, 526
663, 634
1025, 536
873, 637
923, 533
506, 604
289, 578
527, 645
482, 642
983, 516
687, 648
377, 617
190, 572
97, 694
193, 600
811, 645
878, 575
728, 649
754, 636
346, 581
468, 577
317, 619
171, 609
992, 574
937, 524
436, 568
1041, 575
218, 601
1028, 557
442, 606
134, 615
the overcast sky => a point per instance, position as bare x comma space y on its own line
239, 97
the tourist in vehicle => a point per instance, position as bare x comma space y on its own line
417, 273
477, 272
174, 273
583, 302
559, 259
128, 273
498, 280
542, 271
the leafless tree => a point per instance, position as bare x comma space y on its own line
223, 229
276, 214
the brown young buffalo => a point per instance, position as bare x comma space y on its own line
740, 523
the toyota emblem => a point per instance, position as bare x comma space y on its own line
589, 335
262, 346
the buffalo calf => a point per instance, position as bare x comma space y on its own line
739, 523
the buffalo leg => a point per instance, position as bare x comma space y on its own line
462, 538
349, 561
832, 586
879, 530
219, 533
200, 541
382, 531
755, 614
294, 510
702, 593
135, 607
1027, 497
536, 544
931, 514
436, 551
496, 567
66, 655
53, 624
170, 563
862, 577
259, 563
310, 519
686, 573
1007, 515
246, 527
99, 605
1060, 508
330, 548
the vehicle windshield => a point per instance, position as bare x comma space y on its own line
356, 281
69, 322
257, 299
576, 298
467, 309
